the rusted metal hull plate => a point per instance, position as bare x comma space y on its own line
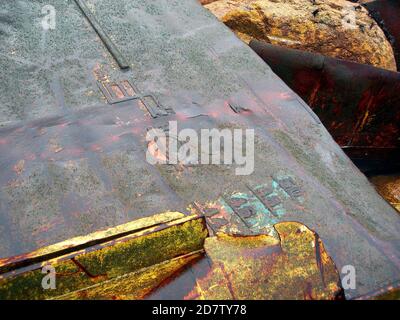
107, 261
292, 265
72, 164
357, 103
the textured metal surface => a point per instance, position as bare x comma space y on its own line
71, 163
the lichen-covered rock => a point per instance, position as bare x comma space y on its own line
389, 188
336, 28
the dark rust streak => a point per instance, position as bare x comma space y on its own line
307, 294
83, 269
318, 259
228, 281
179, 272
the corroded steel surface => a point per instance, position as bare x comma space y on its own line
73, 161
135, 285
147, 263
256, 267
357, 103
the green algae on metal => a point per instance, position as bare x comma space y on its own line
134, 285
109, 260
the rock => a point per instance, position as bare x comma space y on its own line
389, 188
206, 1
335, 28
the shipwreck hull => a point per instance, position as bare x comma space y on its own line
73, 148
358, 104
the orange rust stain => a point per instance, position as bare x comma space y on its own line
214, 114
19, 167
117, 91
112, 139
96, 148
48, 226
30, 157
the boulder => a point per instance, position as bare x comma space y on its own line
206, 1
335, 28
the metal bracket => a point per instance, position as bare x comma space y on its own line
154, 108
116, 92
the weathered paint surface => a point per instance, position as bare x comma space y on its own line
256, 210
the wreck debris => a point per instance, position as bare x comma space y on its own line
85, 168
117, 252
357, 103
291, 265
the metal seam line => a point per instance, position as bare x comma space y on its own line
122, 63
